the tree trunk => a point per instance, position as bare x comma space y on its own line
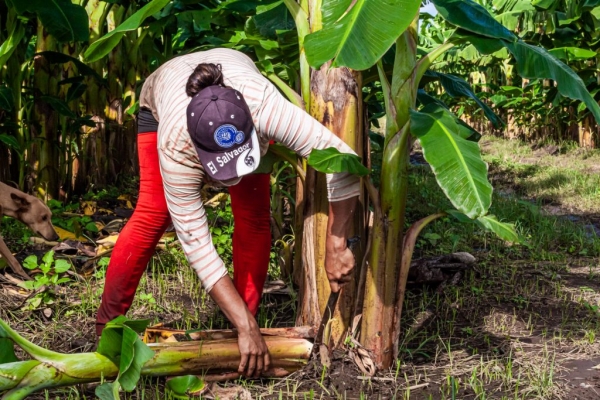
92, 153
45, 129
336, 102
386, 248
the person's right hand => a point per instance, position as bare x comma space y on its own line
255, 354
339, 263
255, 358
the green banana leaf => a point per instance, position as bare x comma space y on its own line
330, 160
272, 18
545, 4
455, 161
511, 12
572, 53
473, 17
482, 44
192, 23
180, 386
535, 62
10, 44
458, 87
66, 21
6, 99
59, 105
589, 4
76, 90
121, 344
504, 230
11, 142
105, 391
106, 43
362, 35
465, 131
332, 10
134, 355
7, 351
425, 99
54, 57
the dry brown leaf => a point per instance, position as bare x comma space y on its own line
108, 241
168, 236
362, 359
88, 207
12, 279
276, 287
102, 249
39, 240
64, 234
10, 291
355, 325
114, 226
65, 248
105, 211
229, 393
324, 353
216, 200
127, 198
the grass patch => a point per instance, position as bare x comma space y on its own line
569, 179
548, 237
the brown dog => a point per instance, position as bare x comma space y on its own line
29, 210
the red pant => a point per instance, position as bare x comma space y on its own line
250, 203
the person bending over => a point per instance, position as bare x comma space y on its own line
210, 116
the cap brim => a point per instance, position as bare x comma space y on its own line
234, 163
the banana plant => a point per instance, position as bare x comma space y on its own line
53, 23
447, 143
78, 128
569, 30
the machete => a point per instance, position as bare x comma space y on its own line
331, 302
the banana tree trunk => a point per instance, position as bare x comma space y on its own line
69, 134
45, 129
336, 102
14, 165
90, 162
386, 250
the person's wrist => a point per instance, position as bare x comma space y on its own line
247, 324
335, 243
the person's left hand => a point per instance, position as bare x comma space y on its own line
339, 262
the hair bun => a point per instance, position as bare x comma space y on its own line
205, 74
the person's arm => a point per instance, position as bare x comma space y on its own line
280, 120
182, 182
254, 351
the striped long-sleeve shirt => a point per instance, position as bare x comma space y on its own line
274, 118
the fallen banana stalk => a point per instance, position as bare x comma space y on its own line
157, 334
217, 359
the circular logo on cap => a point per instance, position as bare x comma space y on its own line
228, 135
